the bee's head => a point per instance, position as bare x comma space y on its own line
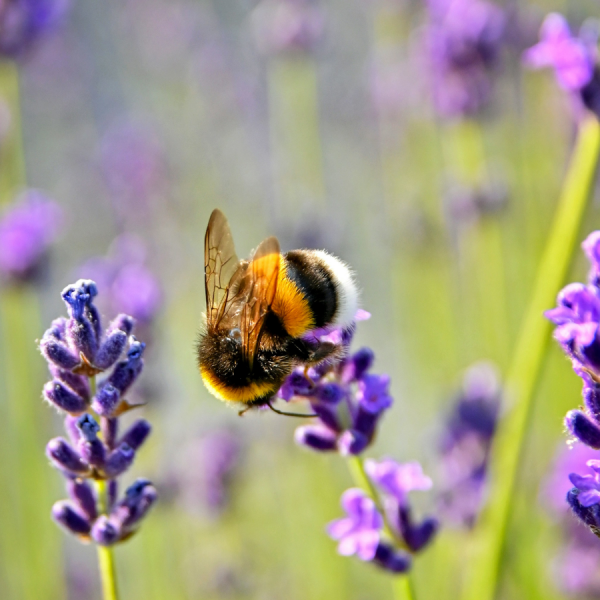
227, 373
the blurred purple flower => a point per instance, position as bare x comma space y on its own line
588, 485
130, 285
464, 41
574, 60
465, 445
134, 167
27, 230
24, 22
215, 458
396, 479
359, 532
287, 25
77, 349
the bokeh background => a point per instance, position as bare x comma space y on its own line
138, 117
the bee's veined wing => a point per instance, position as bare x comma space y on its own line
258, 288
222, 269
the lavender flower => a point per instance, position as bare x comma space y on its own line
24, 22
464, 40
573, 569
465, 445
363, 532
27, 230
574, 60
348, 400
287, 25
577, 318
77, 350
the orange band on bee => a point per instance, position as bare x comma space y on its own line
227, 393
292, 307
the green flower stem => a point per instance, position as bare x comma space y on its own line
106, 559
522, 377
12, 160
400, 583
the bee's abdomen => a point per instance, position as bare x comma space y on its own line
315, 289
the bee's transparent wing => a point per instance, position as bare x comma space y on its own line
258, 288
222, 268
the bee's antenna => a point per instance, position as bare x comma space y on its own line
288, 414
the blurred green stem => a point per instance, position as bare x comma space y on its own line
522, 377
106, 559
400, 583
12, 161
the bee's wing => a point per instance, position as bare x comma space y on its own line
222, 268
258, 290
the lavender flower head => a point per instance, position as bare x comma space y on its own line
287, 25
574, 568
465, 445
24, 22
347, 399
464, 39
389, 536
27, 230
577, 320
77, 350
574, 60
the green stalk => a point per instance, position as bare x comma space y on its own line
400, 583
523, 374
106, 559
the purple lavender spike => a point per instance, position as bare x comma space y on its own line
316, 437
583, 428
391, 560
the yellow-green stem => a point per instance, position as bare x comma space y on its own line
106, 559
522, 377
400, 583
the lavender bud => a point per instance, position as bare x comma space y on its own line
119, 461
316, 437
589, 515
64, 514
81, 333
57, 352
63, 397
136, 435
591, 399
360, 362
71, 428
104, 532
330, 393
106, 400
111, 349
91, 448
352, 442
328, 415
389, 559
139, 498
82, 494
127, 371
583, 428
416, 536
65, 457
78, 383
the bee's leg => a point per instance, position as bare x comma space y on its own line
288, 414
245, 410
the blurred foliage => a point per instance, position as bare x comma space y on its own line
291, 146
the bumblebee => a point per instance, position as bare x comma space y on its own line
259, 312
